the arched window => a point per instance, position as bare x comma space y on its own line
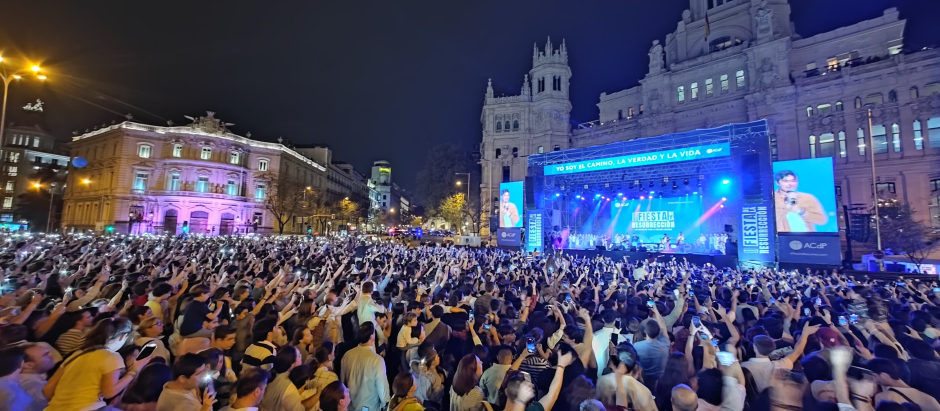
619, 114
507, 125
809, 112
839, 106
681, 91
914, 93
499, 126
893, 96
858, 103
823, 109
842, 152
515, 124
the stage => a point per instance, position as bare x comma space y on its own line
720, 261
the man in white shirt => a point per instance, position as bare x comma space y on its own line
626, 365
601, 343
365, 307
762, 368
365, 370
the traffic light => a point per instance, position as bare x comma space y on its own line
185, 226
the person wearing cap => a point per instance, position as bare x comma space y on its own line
762, 368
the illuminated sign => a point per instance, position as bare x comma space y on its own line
642, 159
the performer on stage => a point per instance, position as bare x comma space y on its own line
665, 242
680, 240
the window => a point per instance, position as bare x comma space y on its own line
812, 146
35, 141
694, 90
143, 151
7, 203
262, 165
140, 180
809, 112
842, 152
708, 87
838, 191
823, 109
234, 157
206, 153
10, 185
630, 113
827, 145
875, 98
861, 142
724, 82
933, 132
773, 147
260, 191
896, 138
883, 188
556, 83
811, 66
935, 211
499, 126
839, 106
385, 196
506, 173
641, 108
232, 187
934, 185
177, 150
515, 125
932, 88
893, 96
37, 160
202, 184
739, 79
557, 148
681, 91
918, 136
879, 139
174, 182
54, 162
858, 102
541, 85
832, 64
914, 93
619, 114
541, 149
515, 152
499, 152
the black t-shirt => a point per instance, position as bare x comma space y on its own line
193, 317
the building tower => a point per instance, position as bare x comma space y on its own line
534, 121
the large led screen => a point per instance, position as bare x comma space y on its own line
510, 204
805, 196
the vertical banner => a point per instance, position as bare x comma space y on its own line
535, 236
756, 238
509, 237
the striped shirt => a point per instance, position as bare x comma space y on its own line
70, 341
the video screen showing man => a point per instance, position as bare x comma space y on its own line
796, 212
508, 212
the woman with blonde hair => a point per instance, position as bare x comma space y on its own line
149, 331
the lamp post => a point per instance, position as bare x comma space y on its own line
874, 190
38, 186
467, 198
8, 77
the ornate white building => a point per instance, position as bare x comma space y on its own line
752, 65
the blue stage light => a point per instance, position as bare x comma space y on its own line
597, 195
652, 192
619, 194
695, 192
557, 194
577, 196
724, 199
725, 181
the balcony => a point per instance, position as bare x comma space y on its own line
182, 193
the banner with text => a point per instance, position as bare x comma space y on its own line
508, 237
534, 234
811, 249
642, 159
756, 238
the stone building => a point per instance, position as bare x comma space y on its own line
152, 179
742, 63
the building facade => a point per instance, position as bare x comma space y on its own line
390, 200
199, 178
26, 149
743, 63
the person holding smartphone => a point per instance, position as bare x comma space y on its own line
189, 373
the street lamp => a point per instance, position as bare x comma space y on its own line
86, 181
38, 186
466, 199
8, 76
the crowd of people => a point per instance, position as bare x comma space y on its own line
139, 323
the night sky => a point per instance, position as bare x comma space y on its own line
371, 79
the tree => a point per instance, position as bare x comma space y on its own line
33, 205
903, 234
349, 211
452, 210
285, 199
438, 179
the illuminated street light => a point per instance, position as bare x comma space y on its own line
35, 69
37, 185
86, 181
8, 76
